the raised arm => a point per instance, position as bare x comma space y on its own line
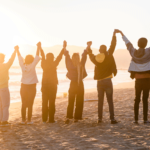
68, 61
38, 48
91, 55
21, 62
59, 57
42, 53
11, 60
84, 58
37, 58
17, 50
129, 45
113, 44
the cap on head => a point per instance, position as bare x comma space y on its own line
2, 58
142, 42
102, 49
29, 59
50, 57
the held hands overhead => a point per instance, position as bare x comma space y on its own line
64, 45
16, 48
39, 44
89, 43
118, 31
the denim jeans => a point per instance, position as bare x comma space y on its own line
105, 86
4, 104
141, 85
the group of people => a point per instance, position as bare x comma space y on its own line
105, 69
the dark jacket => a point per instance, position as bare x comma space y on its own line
72, 73
108, 66
50, 70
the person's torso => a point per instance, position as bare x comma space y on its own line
75, 74
29, 75
49, 74
4, 76
106, 68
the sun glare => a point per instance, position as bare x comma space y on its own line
7, 31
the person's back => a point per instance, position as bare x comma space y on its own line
104, 62
49, 84
4, 71
49, 72
49, 66
140, 70
28, 84
105, 68
73, 71
4, 75
28, 70
76, 73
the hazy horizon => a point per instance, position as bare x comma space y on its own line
122, 56
51, 22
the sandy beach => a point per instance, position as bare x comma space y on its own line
86, 134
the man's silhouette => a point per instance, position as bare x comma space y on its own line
140, 70
105, 67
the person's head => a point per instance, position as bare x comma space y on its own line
103, 49
75, 59
50, 57
29, 59
2, 58
142, 42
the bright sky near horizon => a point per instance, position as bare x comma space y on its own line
77, 21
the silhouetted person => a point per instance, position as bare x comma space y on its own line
105, 67
76, 73
49, 85
28, 85
4, 90
140, 70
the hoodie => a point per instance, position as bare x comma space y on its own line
140, 63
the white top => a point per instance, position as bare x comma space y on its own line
125, 39
139, 67
28, 71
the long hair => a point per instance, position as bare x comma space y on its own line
76, 59
76, 63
